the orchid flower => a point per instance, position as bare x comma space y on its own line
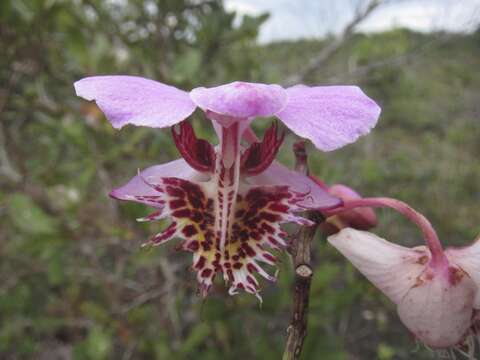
436, 291
227, 202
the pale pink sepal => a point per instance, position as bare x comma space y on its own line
392, 268
438, 311
136, 100
329, 116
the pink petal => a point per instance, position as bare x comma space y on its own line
437, 312
241, 99
135, 100
329, 116
392, 268
468, 258
278, 174
138, 190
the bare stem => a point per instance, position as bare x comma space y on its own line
327, 52
300, 252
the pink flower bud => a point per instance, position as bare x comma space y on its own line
362, 218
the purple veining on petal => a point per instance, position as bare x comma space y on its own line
329, 116
135, 100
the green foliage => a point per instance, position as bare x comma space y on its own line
29, 218
73, 279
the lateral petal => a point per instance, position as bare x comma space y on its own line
317, 198
137, 189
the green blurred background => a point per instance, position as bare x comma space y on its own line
74, 283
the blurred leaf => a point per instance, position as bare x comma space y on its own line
30, 218
196, 337
97, 346
187, 66
385, 352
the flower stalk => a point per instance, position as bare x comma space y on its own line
300, 252
438, 259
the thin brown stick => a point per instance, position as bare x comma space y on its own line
331, 48
300, 252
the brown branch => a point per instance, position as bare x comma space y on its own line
396, 60
7, 169
300, 252
330, 49
143, 298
